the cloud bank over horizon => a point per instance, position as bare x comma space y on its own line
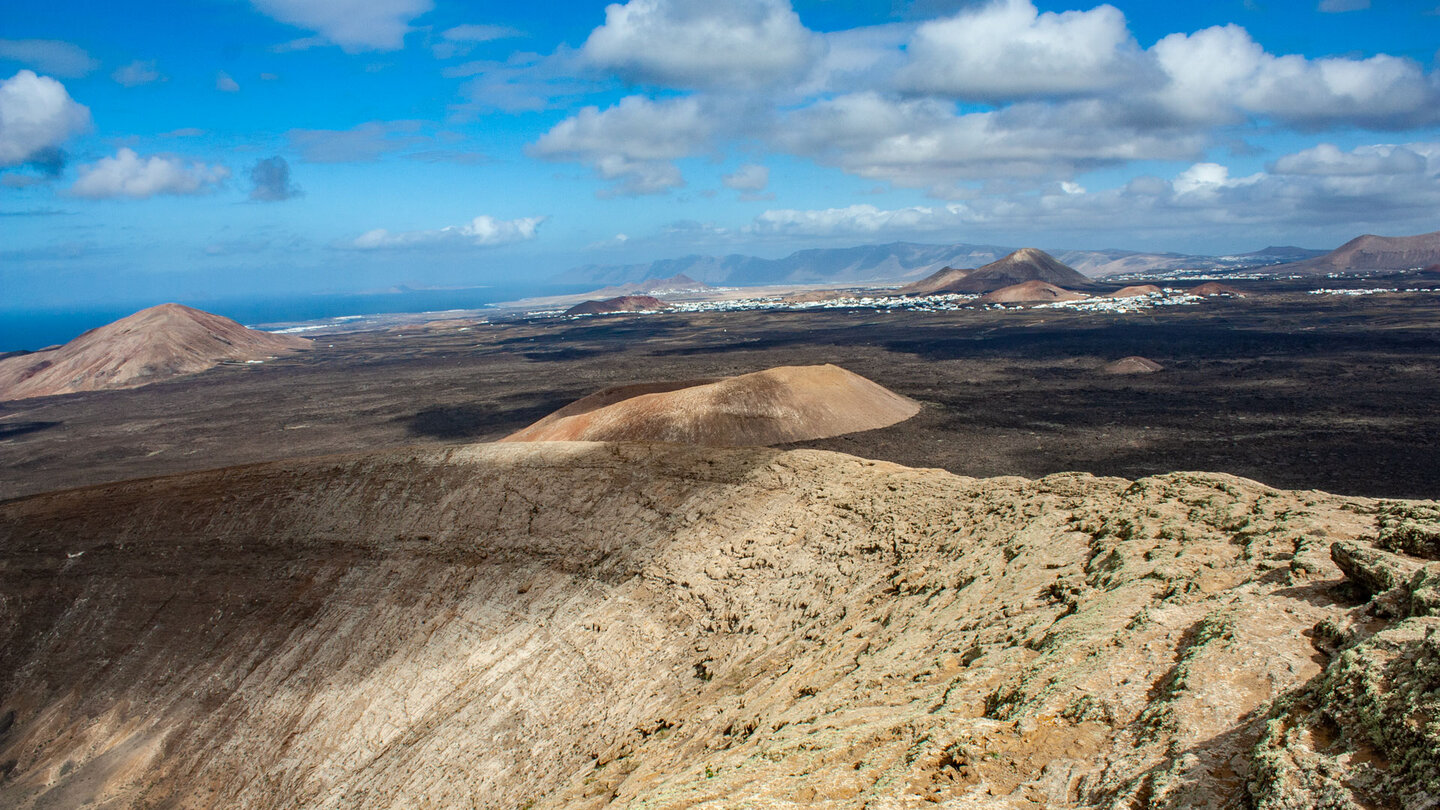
750, 126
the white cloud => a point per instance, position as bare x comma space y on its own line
1326, 160
1339, 6
36, 115
137, 73
1206, 178
49, 56
482, 231
858, 220
750, 177
923, 143
702, 43
1006, 50
130, 175
354, 25
225, 84
1221, 74
632, 143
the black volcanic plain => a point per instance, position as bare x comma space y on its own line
1294, 390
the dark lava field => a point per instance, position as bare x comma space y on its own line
1294, 390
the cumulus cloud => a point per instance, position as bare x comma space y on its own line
751, 177
1219, 75
270, 181
127, 174
137, 73
1318, 191
702, 43
54, 56
36, 116
1326, 160
225, 84
1007, 50
354, 25
923, 143
482, 231
632, 143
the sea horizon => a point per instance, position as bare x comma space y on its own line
33, 329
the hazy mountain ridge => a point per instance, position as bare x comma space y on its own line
902, 262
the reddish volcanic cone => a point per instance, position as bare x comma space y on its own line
1025, 264
784, 404
1135, 291
623, 303
1029, 292
152, 345
1216, 288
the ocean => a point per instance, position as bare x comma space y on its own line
31, 329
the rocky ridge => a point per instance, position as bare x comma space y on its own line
591, 625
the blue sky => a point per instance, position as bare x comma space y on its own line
214, 148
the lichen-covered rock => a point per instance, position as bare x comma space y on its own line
588, 625
1409, 528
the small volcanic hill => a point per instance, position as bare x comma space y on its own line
1216, 288
1135, 291
623, 303
1029, 292
1371, 252
589, 625
1025, 264
785, 404
153, 344
1134, 364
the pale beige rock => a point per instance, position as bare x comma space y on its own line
589, 625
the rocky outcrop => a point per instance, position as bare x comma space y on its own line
587, 625
1363, 733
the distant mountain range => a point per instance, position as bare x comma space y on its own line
902, 262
